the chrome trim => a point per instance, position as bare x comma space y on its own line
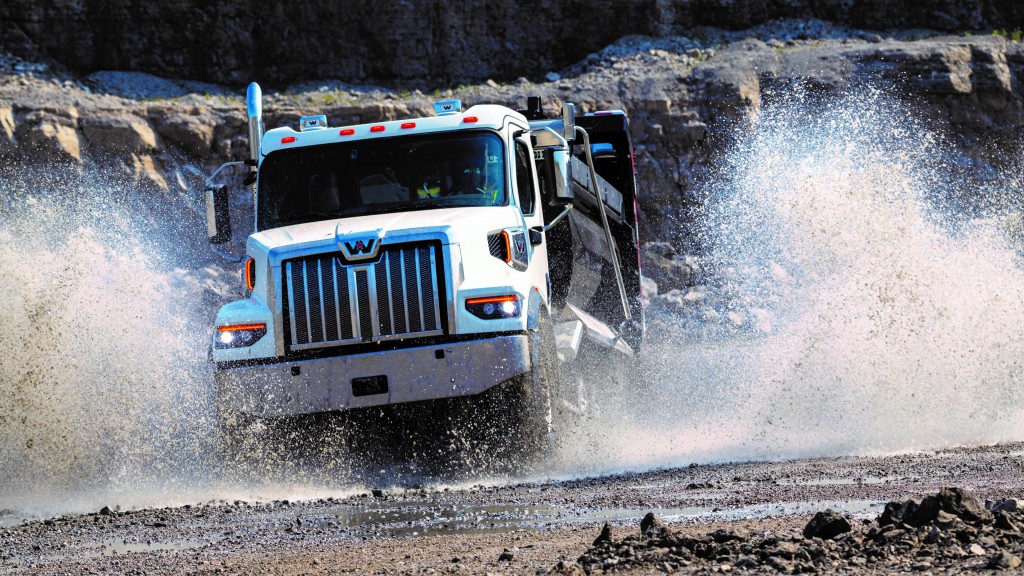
391, 293
433, 279
361, 295
353, 306
291, 292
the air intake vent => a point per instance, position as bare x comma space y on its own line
330, 303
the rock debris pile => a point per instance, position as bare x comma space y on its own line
950, 530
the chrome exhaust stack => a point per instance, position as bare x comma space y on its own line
254, 108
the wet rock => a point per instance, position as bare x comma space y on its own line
1003, 521
106, 511
964, 504
897, 512
826, 525
1003, 560
48, 137
145, 174
1006, 505
8, 143
927, 511
652, 527
605, 535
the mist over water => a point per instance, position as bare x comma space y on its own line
875, 315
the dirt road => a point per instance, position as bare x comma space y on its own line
758, 509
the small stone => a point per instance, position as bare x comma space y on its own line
106, 511
652, 527
827, 525
1004, 560
976, 549
507, 555
605, 535
378, 493
1006, 505
552, 77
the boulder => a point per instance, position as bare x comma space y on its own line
652, 527
119, 134
193, 133
827, 525
145, 174
964, 504
8, 143
50, 137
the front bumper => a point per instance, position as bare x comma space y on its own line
413, 374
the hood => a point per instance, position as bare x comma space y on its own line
450, 225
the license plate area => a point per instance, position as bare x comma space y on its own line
369, 385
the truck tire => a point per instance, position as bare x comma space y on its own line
531, 400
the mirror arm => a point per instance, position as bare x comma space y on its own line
554, 222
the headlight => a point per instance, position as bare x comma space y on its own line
239, 336
494, 307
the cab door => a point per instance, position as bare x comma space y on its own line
526, 196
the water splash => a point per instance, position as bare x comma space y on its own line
103, 385
857, 305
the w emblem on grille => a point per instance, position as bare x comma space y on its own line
359, 248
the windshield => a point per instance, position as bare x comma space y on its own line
381, 175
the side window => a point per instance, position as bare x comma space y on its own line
524, 183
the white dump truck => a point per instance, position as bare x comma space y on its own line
428, 258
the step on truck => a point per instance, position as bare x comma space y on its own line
427, 259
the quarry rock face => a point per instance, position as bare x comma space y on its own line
686, 91
229, 41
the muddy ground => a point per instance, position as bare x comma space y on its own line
759, 510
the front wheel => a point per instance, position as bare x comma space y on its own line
531, 400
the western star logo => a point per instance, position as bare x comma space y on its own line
360, 247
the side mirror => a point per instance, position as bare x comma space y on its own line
552, 158
218, 216
569, 121
560, 176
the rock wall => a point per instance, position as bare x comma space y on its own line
401, 41
681, 101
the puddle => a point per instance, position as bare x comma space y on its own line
868, 480
114, 547
423, 518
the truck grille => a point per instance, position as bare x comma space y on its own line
331, 303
